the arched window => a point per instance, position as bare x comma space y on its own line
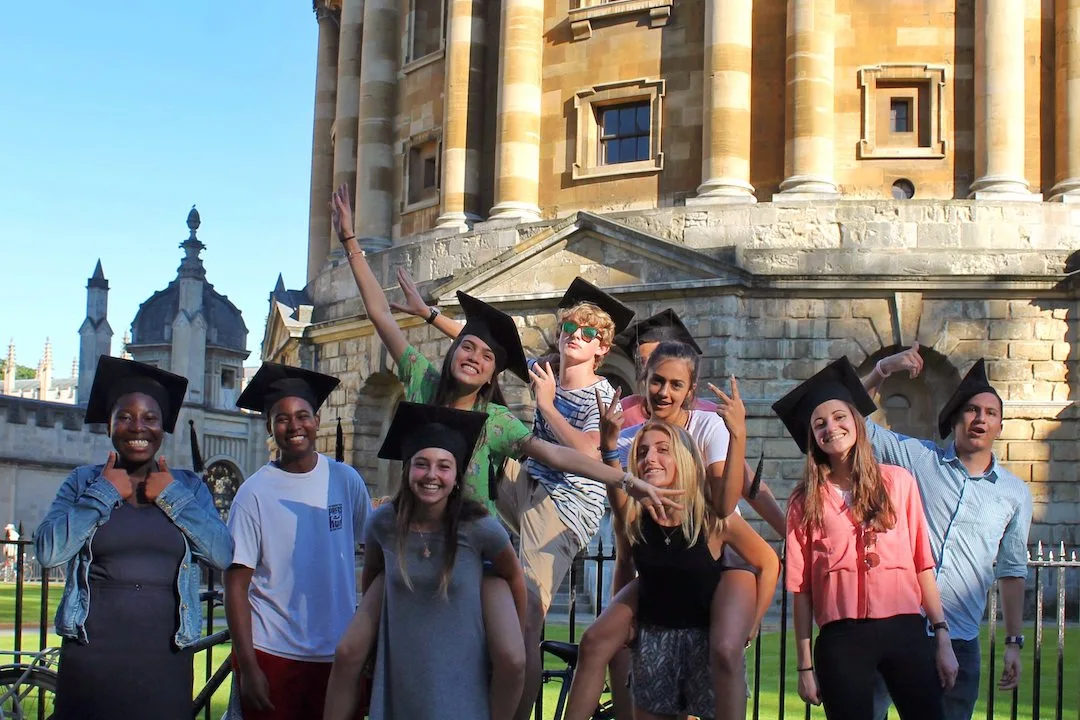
223, 479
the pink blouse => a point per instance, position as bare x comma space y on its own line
831, 564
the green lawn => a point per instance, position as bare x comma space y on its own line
770, 645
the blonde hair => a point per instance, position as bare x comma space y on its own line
698, 514
589, 315
870, 503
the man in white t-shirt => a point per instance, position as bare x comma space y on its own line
291, 588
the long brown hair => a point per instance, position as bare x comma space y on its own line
698, 516
671, 350
448, 388
458, 509
870, 503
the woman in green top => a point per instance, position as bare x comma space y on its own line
488, 344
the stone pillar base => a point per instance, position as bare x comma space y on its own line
1066, 191
1002, 187
373, 244
522, 212
807, 187
457, 221
723, 191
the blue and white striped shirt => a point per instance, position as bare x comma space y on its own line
974, 521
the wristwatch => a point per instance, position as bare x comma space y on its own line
940, 626
626, 483
1017, 640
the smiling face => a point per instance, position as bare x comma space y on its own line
473, 363
294, 426
135, 427
978, 423
432, 476
835, 428
669, 386
655, 462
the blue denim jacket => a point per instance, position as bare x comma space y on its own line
84, 503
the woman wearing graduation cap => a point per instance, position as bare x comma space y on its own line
859, 562
432, 541
130, 533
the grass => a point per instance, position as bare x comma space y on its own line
770, 664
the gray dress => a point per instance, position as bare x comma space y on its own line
432, 661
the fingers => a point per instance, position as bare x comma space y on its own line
110, 463
615, 399
398, 308
651, 509
719, 393
162, 466
600, 402
735, 389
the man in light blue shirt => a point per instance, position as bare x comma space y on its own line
978, 514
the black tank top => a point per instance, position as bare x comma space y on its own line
676, 582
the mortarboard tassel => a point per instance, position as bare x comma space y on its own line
196, 456
755, 484
339, 443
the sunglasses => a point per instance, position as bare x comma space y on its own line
870, 556
589, 333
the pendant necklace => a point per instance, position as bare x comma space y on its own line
669, 535
425, 553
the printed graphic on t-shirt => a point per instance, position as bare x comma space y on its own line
337, 516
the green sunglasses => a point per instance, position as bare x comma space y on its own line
570, 327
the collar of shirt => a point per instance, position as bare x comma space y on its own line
991, 474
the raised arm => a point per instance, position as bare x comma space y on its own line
544, 386
726, 485
611, 422
907, 361
378, 309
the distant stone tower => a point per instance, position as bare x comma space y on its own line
44, 373
9, 370
189, 324
95, 335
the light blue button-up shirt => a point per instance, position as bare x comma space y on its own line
974, 521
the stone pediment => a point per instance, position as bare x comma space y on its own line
605, 252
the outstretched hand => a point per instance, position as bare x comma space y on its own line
414, 302
656, 501
909, 360
341, 214
731, 408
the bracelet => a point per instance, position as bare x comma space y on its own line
434, 314
626, 482
805, 669
347, 239
881, 372
609, 455
359, 252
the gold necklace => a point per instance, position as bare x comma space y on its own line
425, 553
669, 535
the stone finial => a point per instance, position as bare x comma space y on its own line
193, 220
191, 266
75, 368
124, 346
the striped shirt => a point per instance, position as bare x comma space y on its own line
973, 521
578, 500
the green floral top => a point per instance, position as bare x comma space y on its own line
504, 436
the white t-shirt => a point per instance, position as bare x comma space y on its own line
298, 532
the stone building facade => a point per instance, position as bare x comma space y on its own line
799, 179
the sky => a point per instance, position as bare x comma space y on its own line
115, 118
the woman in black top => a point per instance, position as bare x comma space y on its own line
678, 563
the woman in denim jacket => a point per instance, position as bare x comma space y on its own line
130, 533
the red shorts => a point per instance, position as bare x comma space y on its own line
297, 687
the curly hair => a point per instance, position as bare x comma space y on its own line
589, 315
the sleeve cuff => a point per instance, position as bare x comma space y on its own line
104, 492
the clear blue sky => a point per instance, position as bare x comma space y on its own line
114, 119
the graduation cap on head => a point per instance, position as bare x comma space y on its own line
837, 381
583, 291
664, 325
417, 426
274, 381
974, 383
498, 330
116, 377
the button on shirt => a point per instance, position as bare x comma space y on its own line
973, 520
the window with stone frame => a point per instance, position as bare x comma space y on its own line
619, 129
902, 111
421, 172
427, 28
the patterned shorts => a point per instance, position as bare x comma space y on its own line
671, 672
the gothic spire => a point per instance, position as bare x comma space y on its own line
97, 280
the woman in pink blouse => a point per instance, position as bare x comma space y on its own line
858, 560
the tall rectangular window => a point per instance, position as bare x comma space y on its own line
422, 173
624, 132
427, 28
900, 115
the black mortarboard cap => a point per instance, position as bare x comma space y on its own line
498, 330
274, 381
837, 381
974, 383
583, 291
663, 326
417, 426
115, 377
